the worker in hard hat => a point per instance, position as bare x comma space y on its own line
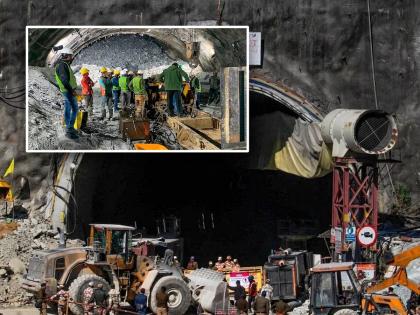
210, 265
192, 264
138, 86
220, 265
172, 79
236, 266
229, 263
105, 86
66, 81
87, 91
116, 90
196, 89
130, 75
88, 299
176, 262
123, 82
268, 288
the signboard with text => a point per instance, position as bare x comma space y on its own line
255, 48
241, 276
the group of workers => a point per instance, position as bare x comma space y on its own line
228, 265
118, 85
259, 301
97, 300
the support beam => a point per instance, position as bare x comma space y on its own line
233, 95
57, 203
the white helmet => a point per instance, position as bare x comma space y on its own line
175, 257
66, 51
123, 72
91, 284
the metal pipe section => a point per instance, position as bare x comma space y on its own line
372, 132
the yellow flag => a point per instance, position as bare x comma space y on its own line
10, 169
9, 196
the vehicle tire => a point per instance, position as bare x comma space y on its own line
77, 287
346, 311
179, 295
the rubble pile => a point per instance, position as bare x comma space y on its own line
16, 248
45, 120
45, 109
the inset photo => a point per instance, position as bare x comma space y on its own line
133, 89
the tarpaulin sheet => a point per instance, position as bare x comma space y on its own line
305, 154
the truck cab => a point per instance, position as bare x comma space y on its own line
334, 287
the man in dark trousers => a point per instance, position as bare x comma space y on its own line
162, 299
252, 291
66, 81
238, 291
172, 79
262, 304
140, 302
100, 297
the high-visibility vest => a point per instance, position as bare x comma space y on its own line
72, 80
138, 85
101, 88
123, 83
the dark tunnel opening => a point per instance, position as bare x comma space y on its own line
212, 195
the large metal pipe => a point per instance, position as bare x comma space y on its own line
371, 132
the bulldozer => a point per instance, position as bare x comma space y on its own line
111, 259
335, 288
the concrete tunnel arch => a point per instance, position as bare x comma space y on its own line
285, 97
213, 42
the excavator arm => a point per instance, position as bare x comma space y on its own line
400, 277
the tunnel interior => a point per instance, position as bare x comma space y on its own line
227, 203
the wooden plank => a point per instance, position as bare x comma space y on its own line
187, 137
198, 122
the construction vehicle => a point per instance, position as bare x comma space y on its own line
336, 290
110, 259
288, 272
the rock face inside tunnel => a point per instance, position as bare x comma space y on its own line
319, 48
124, 51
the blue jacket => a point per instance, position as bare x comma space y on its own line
140, 301
115, 84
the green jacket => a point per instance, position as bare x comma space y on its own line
137, 85
123, 83
64, 77
196, 85
172, 77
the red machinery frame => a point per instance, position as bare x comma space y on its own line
355, 194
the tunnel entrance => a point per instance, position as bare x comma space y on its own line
230, 204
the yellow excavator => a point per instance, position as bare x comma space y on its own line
336, 290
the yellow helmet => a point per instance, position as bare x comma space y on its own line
116, 72
84, 70
102, 70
